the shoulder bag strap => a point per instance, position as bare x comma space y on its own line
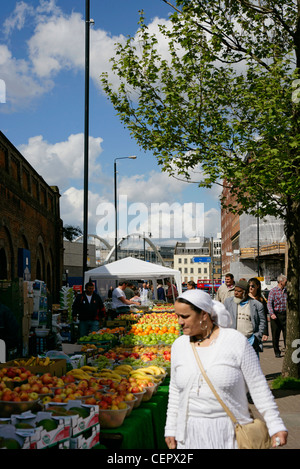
211, 386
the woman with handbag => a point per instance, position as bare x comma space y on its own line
212, 368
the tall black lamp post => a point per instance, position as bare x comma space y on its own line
88, 22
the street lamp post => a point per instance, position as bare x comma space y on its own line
116, 200
88, 22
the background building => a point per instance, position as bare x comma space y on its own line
31, 242
252, 246
185, 255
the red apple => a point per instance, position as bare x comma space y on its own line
35, 387
56, 399
23, 376
103, 405
45, 390
91, 401
7, 396
24, 396
135, 389
68, 379
46, 378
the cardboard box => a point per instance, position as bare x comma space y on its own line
9, 431
56, 368
78, 423
87, 439
40, 437
43, 438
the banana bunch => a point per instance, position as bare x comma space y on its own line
78, 373
33, 361
123, 369
152, 370
111, 374
140, 375
89, 369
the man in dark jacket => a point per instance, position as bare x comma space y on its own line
90, 310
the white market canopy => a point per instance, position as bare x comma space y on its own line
130, 268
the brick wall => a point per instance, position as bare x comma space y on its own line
29, 219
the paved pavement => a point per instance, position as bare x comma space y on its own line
288, 401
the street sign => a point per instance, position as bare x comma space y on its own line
201, 259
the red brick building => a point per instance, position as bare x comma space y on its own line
30, 224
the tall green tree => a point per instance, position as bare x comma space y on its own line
225, 98
71, 232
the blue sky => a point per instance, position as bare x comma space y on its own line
42, 64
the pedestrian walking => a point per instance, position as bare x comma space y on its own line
247, 315
195, 417
227, 289
277, 309
256, 293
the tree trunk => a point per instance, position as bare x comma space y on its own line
291, 360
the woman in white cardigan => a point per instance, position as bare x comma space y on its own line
195, 418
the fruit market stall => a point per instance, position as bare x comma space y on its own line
130, 268
115, 398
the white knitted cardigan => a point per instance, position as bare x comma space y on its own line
234, 369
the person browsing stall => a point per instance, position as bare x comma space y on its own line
119, 301
172, 292
195, 417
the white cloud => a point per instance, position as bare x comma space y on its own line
22, 86
153, 187
57, 44
212, 222
62, 162
71, 208
17, 19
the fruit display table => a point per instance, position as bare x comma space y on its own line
144, 429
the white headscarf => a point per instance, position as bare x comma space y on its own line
215, 309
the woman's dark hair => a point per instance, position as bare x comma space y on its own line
258, 284
192, 284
